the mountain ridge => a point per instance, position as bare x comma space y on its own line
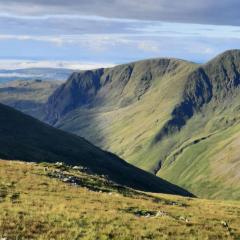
121, 76
147, 111
202, 88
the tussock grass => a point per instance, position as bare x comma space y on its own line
47, 208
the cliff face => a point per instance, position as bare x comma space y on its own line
79, 90
216, 82
118, 87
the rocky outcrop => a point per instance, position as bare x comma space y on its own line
118, 86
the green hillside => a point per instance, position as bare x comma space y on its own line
37, 202
205, 158
25, 138
122, 108
170, 117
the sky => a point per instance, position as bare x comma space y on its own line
84, 34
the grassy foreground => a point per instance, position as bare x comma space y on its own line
38, 202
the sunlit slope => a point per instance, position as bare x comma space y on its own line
36, 202
121, 109
204, 131
210, 167
25, 138
161, 115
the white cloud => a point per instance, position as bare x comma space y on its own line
70, 35
70, 17
149, 46
11, 64
191, 11
95, 42
52, 39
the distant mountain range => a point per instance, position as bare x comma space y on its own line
34, 73
28, 96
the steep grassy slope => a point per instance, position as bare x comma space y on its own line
166, 116
36, 205
122, 108
204, 156
24, 138
209, 167
28, 96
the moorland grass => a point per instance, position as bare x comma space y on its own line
36, 206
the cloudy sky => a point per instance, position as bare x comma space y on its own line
85, 33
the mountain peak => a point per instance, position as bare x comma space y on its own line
120, 85
229, 55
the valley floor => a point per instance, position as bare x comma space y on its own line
57, 202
